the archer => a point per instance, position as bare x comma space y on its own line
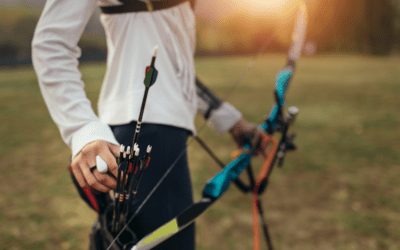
132, 28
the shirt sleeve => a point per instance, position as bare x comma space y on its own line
221, 115
55, 56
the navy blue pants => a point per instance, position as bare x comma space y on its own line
174, 194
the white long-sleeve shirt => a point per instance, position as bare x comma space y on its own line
131, 38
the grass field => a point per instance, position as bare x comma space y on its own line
339, 190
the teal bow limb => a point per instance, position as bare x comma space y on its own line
281, 84
218, 184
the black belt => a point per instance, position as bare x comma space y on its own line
139, 6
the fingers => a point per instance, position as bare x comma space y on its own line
76, 171
92, 181
109, 157
259, 133
85, 178
89, 177
114, 149
105, 179
245, 132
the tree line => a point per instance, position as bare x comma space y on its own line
360, 26
357, 26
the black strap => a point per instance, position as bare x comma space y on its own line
139, 6
213, 101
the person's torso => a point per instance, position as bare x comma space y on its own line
131, 38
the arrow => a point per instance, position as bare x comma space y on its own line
149, 80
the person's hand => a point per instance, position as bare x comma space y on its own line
86, 159
245, 130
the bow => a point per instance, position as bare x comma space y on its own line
217, 185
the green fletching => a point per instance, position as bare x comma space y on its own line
147, 80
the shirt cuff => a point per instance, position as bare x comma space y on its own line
224, 118
92, 131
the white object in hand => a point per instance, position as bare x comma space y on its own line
101, 165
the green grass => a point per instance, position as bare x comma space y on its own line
339, 190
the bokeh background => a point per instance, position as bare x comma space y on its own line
339, 190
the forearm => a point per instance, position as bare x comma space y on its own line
221, 115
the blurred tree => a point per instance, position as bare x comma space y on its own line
16, 31
23, 33
380, 17
364, 26
17, 26
8, 51
396, 3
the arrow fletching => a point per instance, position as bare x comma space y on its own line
151, 72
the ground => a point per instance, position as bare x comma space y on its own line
339, 190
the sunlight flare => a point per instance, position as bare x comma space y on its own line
267, 6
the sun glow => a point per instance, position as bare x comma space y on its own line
275, 7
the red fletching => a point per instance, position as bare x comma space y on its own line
91, 198
147, 163
130, 167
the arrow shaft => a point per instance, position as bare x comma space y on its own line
139, 122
